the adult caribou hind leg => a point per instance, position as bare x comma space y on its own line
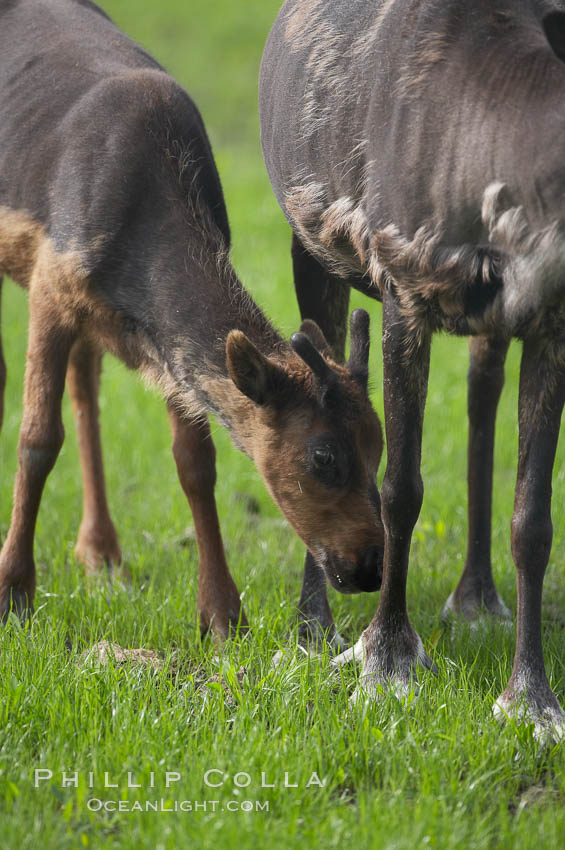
325, 300
528, 695
476, 592
41, 438
321, 297
390, 647
97, 544
219, 606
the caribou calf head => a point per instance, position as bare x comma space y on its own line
317, 442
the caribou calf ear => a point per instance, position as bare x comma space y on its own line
254, 375
316, 335
554, 28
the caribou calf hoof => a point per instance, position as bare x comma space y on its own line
223, 624
390, 658
534, 706
109, 574
16, 601
101, 557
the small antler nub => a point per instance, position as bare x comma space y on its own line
308, 352
358, 363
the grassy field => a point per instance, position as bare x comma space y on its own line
441, 774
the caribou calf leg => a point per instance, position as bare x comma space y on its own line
390, 647
218, 604
41, 438
97, 545
2, 368
324, 299
528, 695
476, 592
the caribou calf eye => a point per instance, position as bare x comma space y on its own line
323, 457
327, 463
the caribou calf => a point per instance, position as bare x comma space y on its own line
416, 149
112, 217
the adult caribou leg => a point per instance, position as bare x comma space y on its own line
219, 605
41, 438
324, 299
321, 297
97, 545
528, 694
389, 645
476, 591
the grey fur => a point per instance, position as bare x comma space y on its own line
414, 169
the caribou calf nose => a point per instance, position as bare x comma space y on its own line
370, 570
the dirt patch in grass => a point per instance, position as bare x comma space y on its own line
104, 652
537, 795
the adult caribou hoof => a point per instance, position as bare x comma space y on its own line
311, 640
313, 635
389, 660
474, 606
533, 706
16, 601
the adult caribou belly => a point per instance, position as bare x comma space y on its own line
454, 288
335, 231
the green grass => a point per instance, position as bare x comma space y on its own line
442, 774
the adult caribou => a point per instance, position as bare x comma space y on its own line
112, 216
416, 148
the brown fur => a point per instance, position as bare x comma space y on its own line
28, 255
274, 439
341, 522
2, 366
66, 311
97, 543
309, 507
218, 598
130, 254
20, 242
